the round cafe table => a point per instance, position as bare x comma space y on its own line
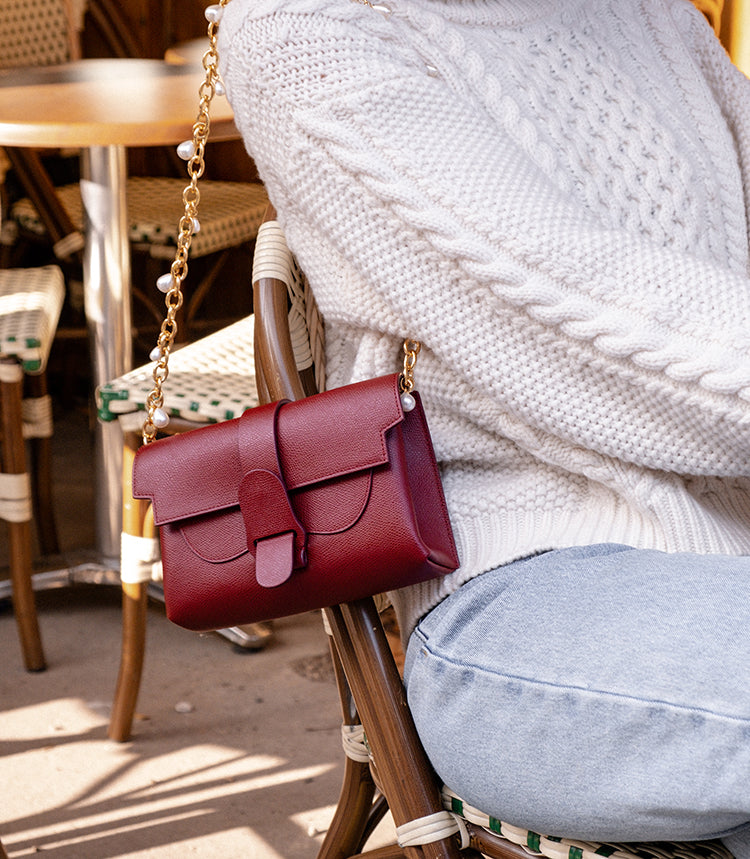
102, 107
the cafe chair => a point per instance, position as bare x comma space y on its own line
39, 33
51, 213
386, 768
30, 303
712, 10
230, 215
210, 380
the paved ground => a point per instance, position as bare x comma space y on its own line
234, 754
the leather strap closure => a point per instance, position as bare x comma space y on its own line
274, 533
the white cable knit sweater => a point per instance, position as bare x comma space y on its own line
552, 195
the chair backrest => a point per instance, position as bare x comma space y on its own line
289, 337
370, 687
42, 33
39, 32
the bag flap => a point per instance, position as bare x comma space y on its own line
328, 435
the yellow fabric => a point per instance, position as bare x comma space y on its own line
712, 10
736, 32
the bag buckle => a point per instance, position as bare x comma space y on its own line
274, 533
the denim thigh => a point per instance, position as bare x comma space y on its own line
597, 692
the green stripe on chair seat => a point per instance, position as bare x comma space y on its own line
533, 841
210, 380
495, 825
30, 304
105, 396
554, 847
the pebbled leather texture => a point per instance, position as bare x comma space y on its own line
295, 506
274, 560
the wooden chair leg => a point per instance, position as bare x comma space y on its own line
134, 610
3, 854
346, 834
19, 526
42, 471
350, 826
391, 735
134, 605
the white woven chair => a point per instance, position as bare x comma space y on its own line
30, 304
487, 833
210, 380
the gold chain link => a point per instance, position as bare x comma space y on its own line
191, 198
411, 350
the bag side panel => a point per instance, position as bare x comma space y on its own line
430, 508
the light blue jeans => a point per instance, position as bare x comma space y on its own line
598, 692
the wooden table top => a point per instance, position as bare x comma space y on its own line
191, 51
105, 102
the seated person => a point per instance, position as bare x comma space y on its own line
552, 196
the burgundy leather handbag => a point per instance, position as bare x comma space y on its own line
296, 506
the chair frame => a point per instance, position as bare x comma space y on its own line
13, 457
26, 416
365, 670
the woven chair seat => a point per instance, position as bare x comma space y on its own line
30, 304
566, 848
230, 213
210, 380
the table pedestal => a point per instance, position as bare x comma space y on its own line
106, 284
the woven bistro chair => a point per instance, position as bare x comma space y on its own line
45, 32
230, 215
386, 767
210, 380
30, 304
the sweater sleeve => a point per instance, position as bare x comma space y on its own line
559, 326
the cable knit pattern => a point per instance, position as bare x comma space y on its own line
552, 196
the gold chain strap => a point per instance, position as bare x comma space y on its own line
411, 350
194, 153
